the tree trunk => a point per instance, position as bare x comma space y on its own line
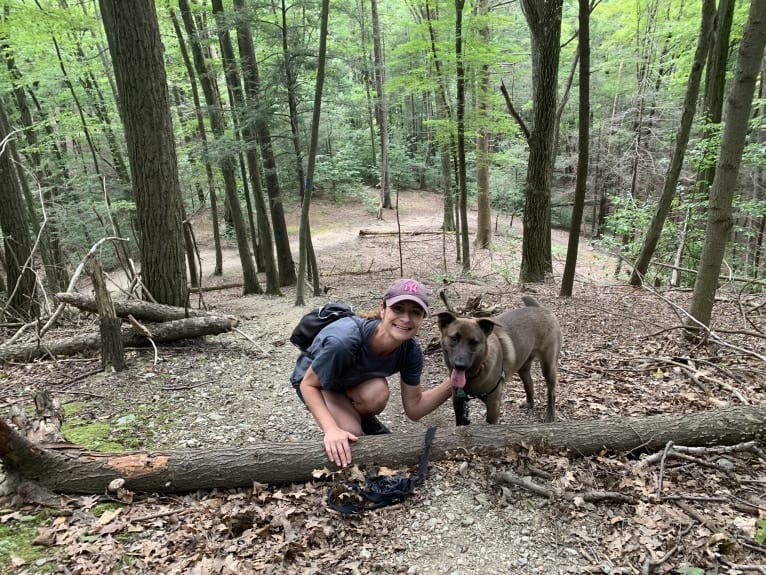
249, 64
483, 238
682, 139
14, 224
445, 112
738, 106
381, 108
465, 254
544, 21
715, 84
112, 350
583, 149
292, 104
159, 332
306, 247
240, 112
251, 285
79, 471
133, 35
211, 187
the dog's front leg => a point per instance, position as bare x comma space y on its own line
494, 403
460, 406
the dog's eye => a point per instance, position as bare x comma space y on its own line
474, 343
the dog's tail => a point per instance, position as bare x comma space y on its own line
529, 301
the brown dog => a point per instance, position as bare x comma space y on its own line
481, 353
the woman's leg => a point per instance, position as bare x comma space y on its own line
368, 398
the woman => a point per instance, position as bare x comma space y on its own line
342, 376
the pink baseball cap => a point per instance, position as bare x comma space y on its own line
407, 289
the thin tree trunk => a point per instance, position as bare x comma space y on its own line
738, 106
305, 229
461, 167
249, 64
682, 139
483, 238
583, 149
21, 299
312, 268
251, 285
381, 108
239, 110
211, 187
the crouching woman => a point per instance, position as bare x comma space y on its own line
341, 377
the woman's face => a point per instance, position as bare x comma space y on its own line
402, 320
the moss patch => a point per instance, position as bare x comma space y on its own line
16, 538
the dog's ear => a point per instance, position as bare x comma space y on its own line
487, 325
445, 318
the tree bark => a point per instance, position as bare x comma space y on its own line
461, 161
166, 331
135, 44
483, 239
79, 471
112, 350
143, 310
14, 224
544, 21
583, 149
210, 92
256, 99
381, 109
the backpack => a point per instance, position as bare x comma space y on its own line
312, 323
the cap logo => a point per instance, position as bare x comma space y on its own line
411, 287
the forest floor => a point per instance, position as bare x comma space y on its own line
622, 356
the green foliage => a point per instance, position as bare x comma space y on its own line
690, 571
760, 531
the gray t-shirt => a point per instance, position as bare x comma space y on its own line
342, 358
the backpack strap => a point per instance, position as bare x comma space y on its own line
383, 490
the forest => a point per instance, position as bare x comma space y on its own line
187, 178
243, 109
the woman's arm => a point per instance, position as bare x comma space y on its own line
336, 440
418, 403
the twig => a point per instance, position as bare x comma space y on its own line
665, 452
650, 564
251, 340
553, 493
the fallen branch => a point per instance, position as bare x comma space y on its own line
364, 233
556, 493
139, 309
166, 331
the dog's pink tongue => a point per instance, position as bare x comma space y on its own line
457, 378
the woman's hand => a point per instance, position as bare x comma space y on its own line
337, 446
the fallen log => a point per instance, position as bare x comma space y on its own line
139, 309
80, 471
402, 233
160, 332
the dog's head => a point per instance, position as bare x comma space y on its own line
464, 344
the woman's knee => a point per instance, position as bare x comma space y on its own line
370, 397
